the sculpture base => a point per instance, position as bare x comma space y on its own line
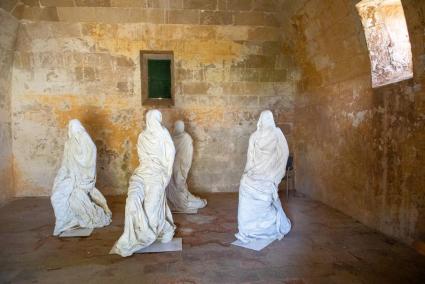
173, 245
77, 233
256, 245
188, 211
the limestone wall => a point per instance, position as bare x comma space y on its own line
83, 62
8, 29
358, 149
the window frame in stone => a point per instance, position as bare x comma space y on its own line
146, 55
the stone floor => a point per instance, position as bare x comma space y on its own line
324, 246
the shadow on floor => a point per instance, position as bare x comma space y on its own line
324, 246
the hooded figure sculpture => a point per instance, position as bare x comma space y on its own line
147, 215
178, 195
260, 213
75, 199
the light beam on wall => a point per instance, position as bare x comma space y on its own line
387, 39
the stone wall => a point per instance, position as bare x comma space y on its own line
358, 149
8, 29
82, 62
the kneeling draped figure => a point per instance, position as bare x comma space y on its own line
260, 213
147, 215
178, 195
75, 199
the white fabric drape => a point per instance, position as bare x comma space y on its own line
178, 195
260, 213
147, 215
75, 199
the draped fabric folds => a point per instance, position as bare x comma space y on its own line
260, 213
147, 215
178, 195
75, 199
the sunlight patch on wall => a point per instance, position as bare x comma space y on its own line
387, 39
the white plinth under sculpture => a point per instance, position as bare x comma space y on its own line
147, 216
76, 201
174, 245
260, 213
77, 233
178, 195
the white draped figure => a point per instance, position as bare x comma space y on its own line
178, 195
147, 215
260, 213
75, 199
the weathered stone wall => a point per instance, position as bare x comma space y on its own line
83, 62
8, 29
358, 149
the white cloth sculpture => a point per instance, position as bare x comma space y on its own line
260, 213
147, 215
75, 199
178, 195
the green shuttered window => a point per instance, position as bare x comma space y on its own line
159, 78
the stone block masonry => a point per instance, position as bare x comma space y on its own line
357, 148
82, 61
8, 30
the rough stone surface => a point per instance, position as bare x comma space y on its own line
86, 66
324, 246
8, 5
8, 30
358, 149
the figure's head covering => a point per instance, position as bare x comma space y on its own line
153, 120
155, 149
267, 152
178, 127
74, 127
80, 148
266, 120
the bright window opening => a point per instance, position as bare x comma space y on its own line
387, 40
